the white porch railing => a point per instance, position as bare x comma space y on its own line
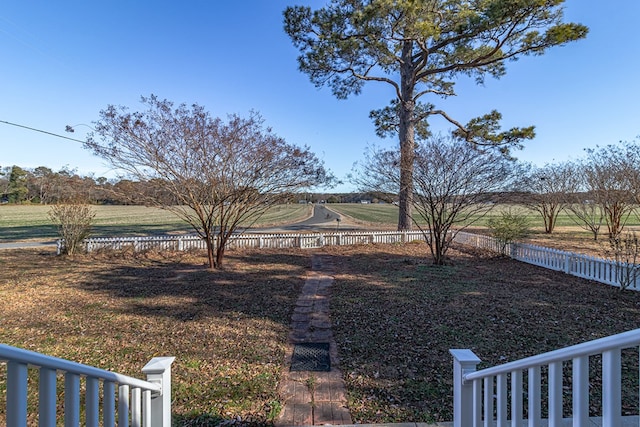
143, 403
485, 398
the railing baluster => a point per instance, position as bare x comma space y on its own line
555, 394
123, 406
502, 400
516, 398
136, 407
580, 391
488, 402
611, 388
47, 398
534, 399
71, 400
109, 404
146, 408
92, 408
16, 394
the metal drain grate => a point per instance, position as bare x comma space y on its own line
311, 356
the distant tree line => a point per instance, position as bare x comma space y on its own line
42, 185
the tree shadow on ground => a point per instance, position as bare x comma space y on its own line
264, 286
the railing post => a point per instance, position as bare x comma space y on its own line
464, 362
158, 371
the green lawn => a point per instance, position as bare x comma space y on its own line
26, 222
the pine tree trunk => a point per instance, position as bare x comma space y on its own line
407, 138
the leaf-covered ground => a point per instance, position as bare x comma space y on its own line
227, 329
395, 316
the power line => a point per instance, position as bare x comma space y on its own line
42, 131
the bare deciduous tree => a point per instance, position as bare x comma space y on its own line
454, 185
584, 208
550, 189
222, 175
609, 174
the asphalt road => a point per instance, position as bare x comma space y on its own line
22, 245
323, 219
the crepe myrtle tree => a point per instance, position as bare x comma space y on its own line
454, 185
585, 210
222, 175
549, 190
419, 48
612, 178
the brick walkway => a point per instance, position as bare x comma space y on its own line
314, 398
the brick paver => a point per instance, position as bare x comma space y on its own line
314, 398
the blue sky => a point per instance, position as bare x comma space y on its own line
64, 61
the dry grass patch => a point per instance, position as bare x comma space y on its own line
395, 317
227, 329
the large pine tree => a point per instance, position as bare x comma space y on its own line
420, 47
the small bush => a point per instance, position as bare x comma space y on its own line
74, 225
508, 228
625, 251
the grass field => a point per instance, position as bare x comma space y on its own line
26, 222
387, 214
394, 318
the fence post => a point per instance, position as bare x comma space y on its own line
464, 362
567, 263
158, 371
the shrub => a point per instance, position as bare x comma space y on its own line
508, 228
625, 251
74, 224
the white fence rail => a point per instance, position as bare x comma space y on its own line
600, 270
143, 403
498, 395
279, 240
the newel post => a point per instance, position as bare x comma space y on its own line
158, 371
464, 362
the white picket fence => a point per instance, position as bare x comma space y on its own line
250, 240
600, 270
497, 396
144, 403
